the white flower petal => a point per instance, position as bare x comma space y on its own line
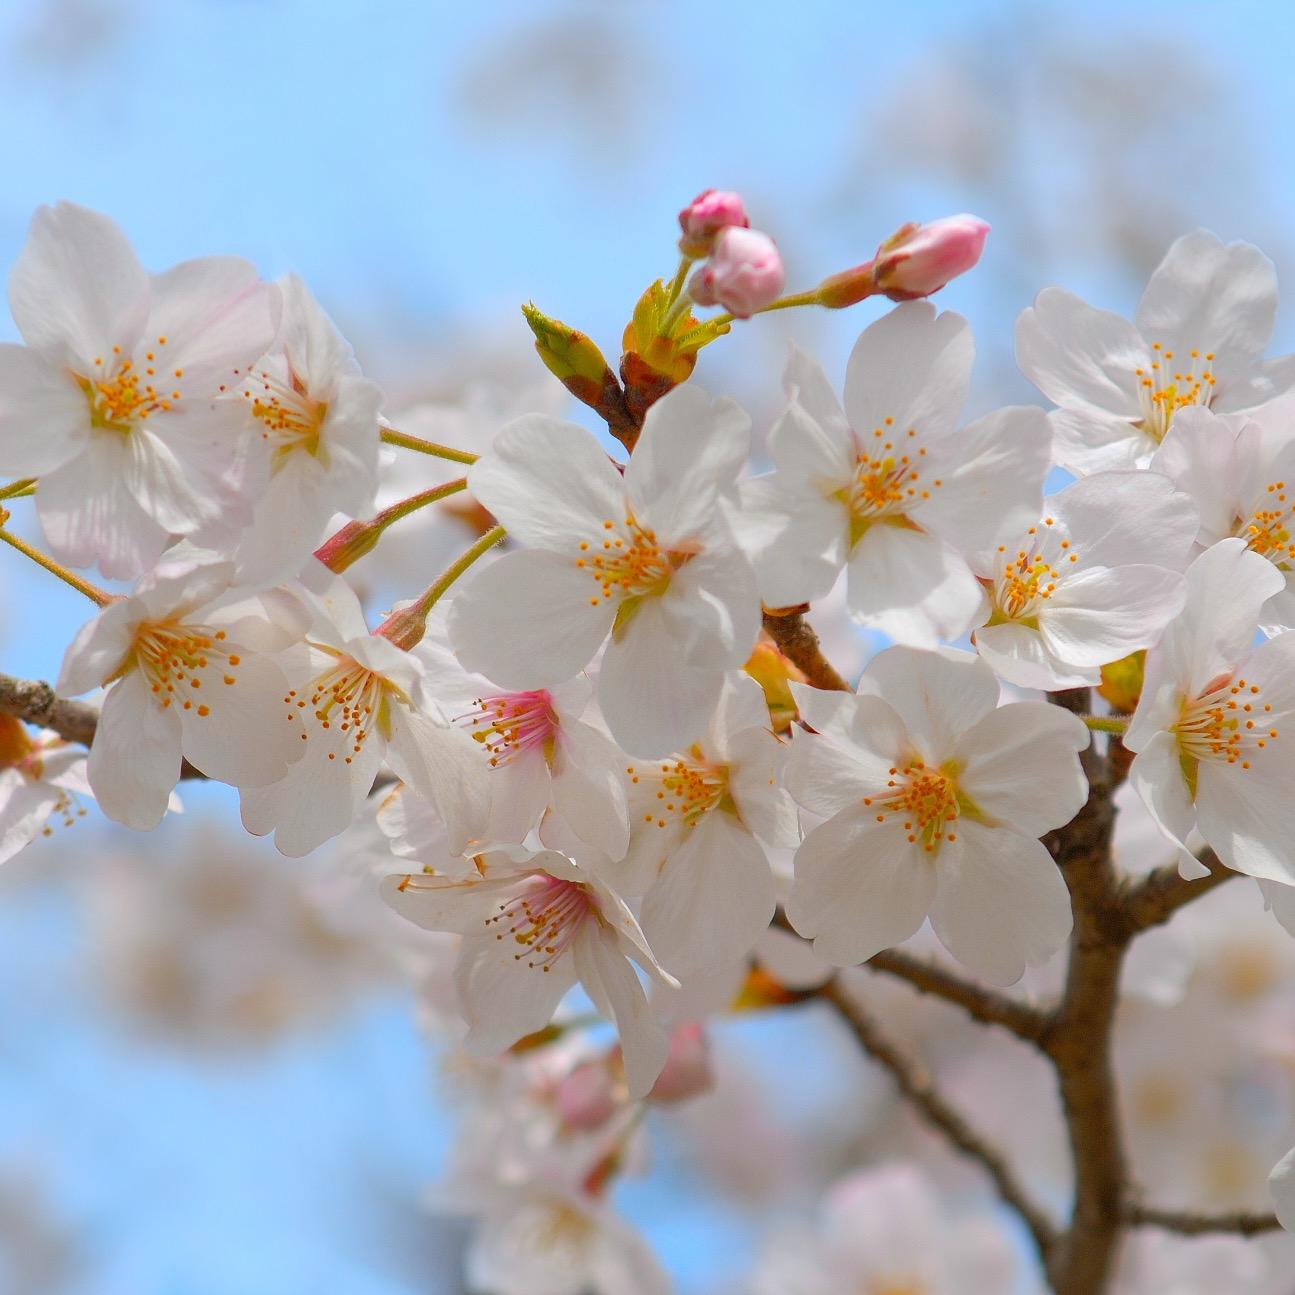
1001, 904
913, 366
135, 757
690, 451
548, 482
860, 887
44, 416
712, 900
1104, 613
1211, 297
612, 983
526, 620
1079, 357
912, 586
1020, 766
77, 286
937, 694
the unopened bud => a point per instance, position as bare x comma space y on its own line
702, 219
687, 1071
578, 364
586, 1098
744, 273
918, 260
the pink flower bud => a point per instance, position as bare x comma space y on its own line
586, 1098
704, 217
743, 275
918, 260
687, 1071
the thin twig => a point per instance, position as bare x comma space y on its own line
918, 1089
927, 977
797, 641
1194, 1225
1160, 894
985, 1005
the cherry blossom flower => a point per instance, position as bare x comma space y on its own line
314, 441
1236, 470
112, 402
1095, 579
888, 487
1208, 728
886, 1229
1198, 340
533, 924
934, 800
186, 663
352, 700
41, 776
543, 1237
542, 754
698, 819
649, 559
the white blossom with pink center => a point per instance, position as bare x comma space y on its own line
533, 924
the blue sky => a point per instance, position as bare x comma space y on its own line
426, 167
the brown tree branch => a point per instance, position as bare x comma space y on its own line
918, 1089
927, 977
36, 702
1194, 1225
1155, 898
1079, 1040
797, 641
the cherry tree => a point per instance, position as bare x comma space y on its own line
605, 748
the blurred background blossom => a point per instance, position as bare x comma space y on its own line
213, 1076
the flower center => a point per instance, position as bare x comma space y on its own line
542, 919
340, 707
290, 418
513, 723
1268, 532
887, 479
1030, 577
176, 659
1229, 721
628, 563
123, 392
926, 799
1164, 389
687, 787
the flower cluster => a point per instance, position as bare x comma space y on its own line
618, 760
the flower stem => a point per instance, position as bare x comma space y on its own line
676, 284
18, 489
96, 595
406, 627
355, 539
1106, 723
406, 442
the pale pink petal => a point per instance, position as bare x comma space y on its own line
44, 415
